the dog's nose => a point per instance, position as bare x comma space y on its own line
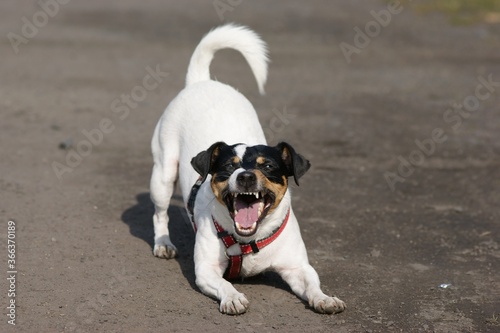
246, 179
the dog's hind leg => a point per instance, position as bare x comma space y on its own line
163, 179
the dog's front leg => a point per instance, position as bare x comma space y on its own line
211, 283
304, 282
210, 264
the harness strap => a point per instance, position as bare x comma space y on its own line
192, 200
233, 269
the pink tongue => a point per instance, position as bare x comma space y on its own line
246, 214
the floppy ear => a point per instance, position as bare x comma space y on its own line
203, 162
296, 164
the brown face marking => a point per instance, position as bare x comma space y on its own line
218, 188
219, 184
215, 154
278, 190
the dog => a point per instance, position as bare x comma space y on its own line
235, 187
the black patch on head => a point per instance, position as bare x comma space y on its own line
226, 163
275, 162
272, 165
216, 159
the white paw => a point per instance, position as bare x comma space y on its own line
164, 247
234, 304
165, 251
328, 305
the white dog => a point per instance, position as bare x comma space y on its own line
210, 137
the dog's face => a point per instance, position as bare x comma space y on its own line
250, 180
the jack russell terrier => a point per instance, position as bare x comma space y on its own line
240, 203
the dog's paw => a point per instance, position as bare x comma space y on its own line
328, 305
234, 304
165, 251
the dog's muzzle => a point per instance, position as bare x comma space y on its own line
249, 204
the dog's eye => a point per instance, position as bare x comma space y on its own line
268, 166
231, 166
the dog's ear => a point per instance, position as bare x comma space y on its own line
204, 161
296, 164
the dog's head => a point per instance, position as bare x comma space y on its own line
250, 181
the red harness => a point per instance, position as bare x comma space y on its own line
235, 262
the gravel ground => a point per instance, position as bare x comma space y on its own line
398, 113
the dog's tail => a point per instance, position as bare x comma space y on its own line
240, 38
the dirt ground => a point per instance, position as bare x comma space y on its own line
400, 210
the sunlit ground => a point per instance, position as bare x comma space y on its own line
461, 11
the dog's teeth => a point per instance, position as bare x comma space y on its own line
257, 195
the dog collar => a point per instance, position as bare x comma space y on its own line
235, 262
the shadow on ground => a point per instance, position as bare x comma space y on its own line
139, 219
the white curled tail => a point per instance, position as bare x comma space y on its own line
240, 38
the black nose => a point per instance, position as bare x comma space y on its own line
246, 179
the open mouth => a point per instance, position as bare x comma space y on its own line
248, 209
